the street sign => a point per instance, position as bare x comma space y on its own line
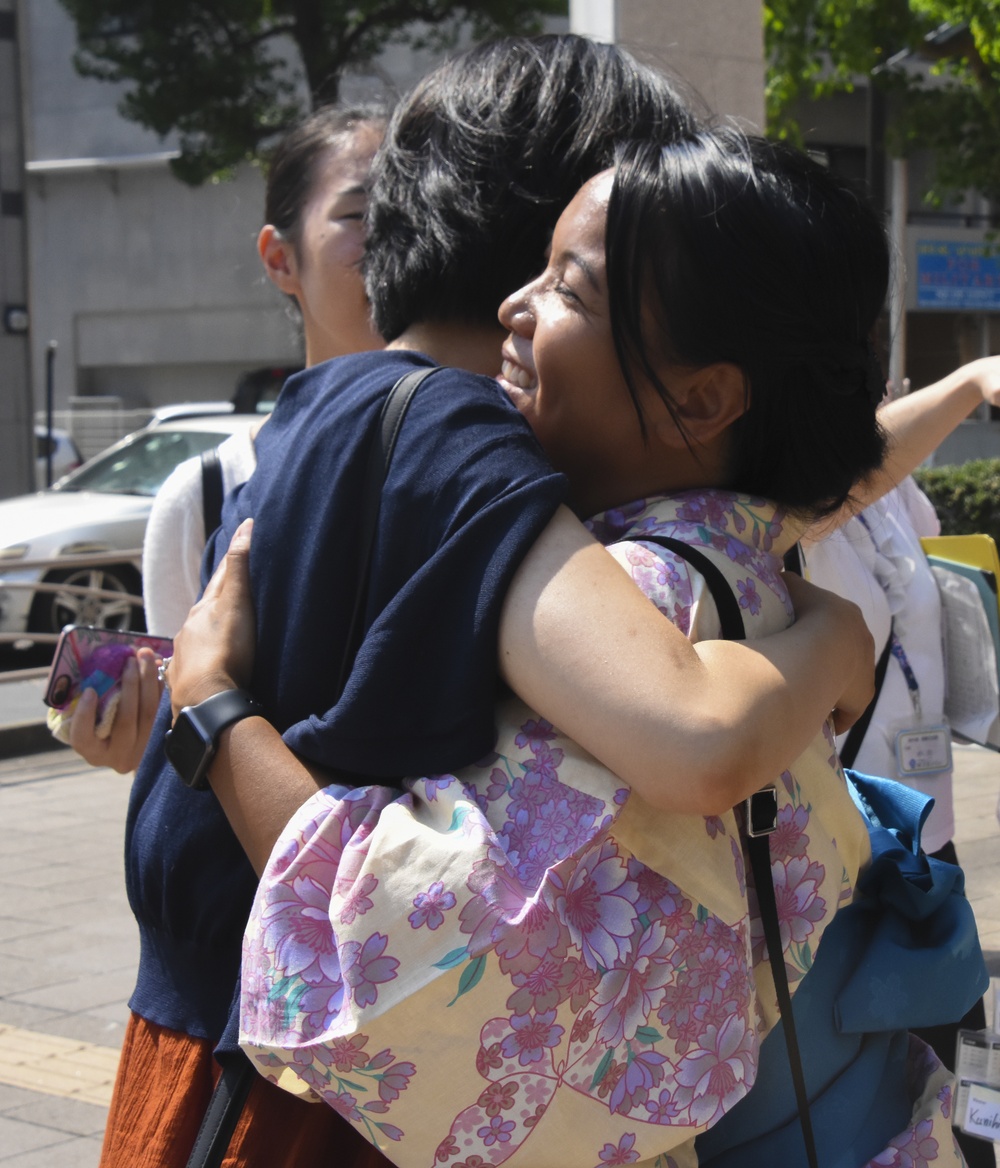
962, 277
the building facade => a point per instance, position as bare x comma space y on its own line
135, 290
716, 46
945, 299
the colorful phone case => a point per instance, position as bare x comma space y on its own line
92, 658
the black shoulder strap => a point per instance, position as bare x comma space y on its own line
238, 1074
856, 734
379, 457
211, 489
761, 820
730, 617
223, 1112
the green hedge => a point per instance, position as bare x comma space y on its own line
967, 497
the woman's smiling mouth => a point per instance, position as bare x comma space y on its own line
516, 375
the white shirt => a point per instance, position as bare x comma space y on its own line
175, 535
884, 571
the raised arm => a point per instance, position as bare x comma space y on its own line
917, 424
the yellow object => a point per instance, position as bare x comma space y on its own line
978, 551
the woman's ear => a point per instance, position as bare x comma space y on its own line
279, 260
706, 401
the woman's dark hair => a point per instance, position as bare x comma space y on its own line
291, 166
724, 248
479, 161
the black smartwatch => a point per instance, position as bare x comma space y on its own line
190, 745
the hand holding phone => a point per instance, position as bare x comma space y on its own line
92, 658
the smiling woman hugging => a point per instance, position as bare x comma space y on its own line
548, 967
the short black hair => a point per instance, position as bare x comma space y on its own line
729, 248
291, 164
481, 158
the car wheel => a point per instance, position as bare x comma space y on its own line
51, 611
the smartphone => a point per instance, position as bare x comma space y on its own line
92, 658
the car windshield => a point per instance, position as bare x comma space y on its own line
141, 467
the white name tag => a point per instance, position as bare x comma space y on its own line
982, 1112
923, 750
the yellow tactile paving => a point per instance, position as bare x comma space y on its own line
57, 1066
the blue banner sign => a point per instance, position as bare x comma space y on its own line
964, 277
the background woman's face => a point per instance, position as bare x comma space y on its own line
328, 250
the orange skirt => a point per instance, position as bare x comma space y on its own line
165, 1080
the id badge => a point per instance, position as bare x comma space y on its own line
923, 749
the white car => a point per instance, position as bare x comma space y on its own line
101, 507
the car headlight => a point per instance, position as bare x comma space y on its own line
83, 547
16, 551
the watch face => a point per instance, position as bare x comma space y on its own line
187, 750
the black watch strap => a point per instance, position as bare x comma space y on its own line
190, 745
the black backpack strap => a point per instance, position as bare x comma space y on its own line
856, 734
211, 489
761, 820
760, 864
223, 1113
730, 617
379, 457
793, 559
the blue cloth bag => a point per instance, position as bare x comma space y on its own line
905, 953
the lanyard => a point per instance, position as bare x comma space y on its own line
896, 646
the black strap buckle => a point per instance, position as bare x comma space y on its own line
762, 811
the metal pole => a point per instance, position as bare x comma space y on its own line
985, 318
875, 145
897, 289
50, 361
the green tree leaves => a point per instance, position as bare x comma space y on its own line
227, 75
944, 96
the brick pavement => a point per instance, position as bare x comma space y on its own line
68, 945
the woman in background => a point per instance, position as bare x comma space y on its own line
311, 246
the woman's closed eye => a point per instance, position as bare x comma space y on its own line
566, 292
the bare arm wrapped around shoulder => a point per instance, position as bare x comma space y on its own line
692, 728
257, 779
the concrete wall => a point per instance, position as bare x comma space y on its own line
152, 290
156, 277
716, 46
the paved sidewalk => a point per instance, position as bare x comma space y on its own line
68, 945
68, 952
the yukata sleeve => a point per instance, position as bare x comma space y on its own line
677, 590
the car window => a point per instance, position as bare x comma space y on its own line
141, 467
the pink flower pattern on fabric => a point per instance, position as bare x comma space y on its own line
621, 1153
431, 906
580, 967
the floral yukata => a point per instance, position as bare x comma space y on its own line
526, 964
